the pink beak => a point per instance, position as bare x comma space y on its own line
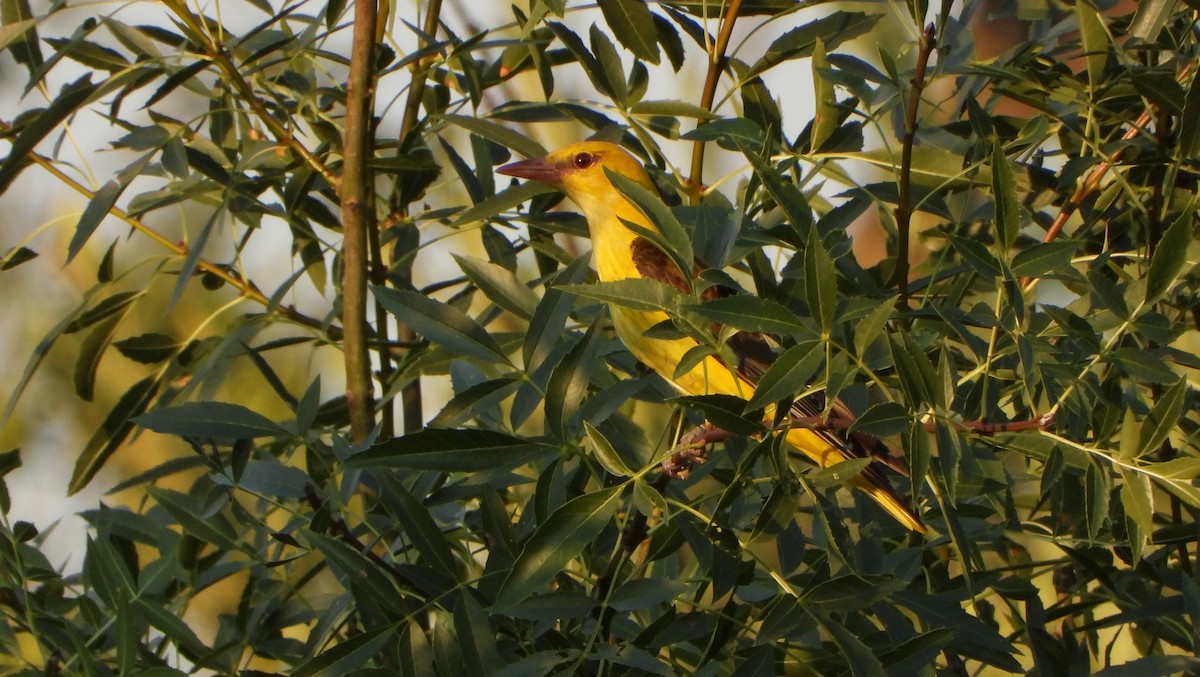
537, 169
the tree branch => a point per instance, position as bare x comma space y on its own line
904, 208
357, 219
716, 64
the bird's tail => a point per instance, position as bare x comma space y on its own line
826, 449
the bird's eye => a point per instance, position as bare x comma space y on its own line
584, 160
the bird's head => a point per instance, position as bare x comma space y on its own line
578, 169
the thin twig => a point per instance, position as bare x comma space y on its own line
339, 528
218, 55
716, 64
357, 211
904, 208
411, 406
1092, 182
231, 277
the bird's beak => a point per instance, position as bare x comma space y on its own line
537, 169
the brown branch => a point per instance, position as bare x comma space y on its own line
217, 54
1092, 181
411, 406
979, 427
904, 210
358, 210
716, 64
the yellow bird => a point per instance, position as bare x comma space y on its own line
620, 253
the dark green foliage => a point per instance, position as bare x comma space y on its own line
1036, 372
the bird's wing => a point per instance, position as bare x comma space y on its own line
755, 355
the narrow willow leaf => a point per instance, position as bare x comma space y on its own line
557, 541
1094, 37
672, 107
1162, 418
148, 348
497, 133
500, 285
66, 104
442, 324
173, 627
678, 244
1004, 192
550, 316
635, 293
1149, 20
568, 385
883, 420
826, 118
781, 189
500, 202
1189, 123
860, 658
210, 420
476, 637
820, 283
1044, 257
345, 657
20, 27
1137, 497
449, 450
752, 313
789, 375
870, 327
90, 353
605, 453
1170, 254
633, 24
466, 404
609, 67
419, 526
112, 432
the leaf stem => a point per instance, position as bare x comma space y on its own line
904, 209
716, 63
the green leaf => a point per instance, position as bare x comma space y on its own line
852, 592
186, 510
870, 327
740, 131
66, 104
799, 43
646, 593
112, 432
346, 656
1189, 123
568, 385
501, 202
1152, 666
634, 293
15, 257
419, 526
442, 324
90, 353
210, 420
500, 285
173, 627
752, 313
1149, 20
20, 23
883, 420
1162, 419
1095, 42
560, 539
977, 256
1144, 365
859, 656
820, 283
1170, 254
677, 243
466, 404
496, 133
781, 189
148, 348
725, 412
790, 374
1004, 192
1137, 497
550, 316
1044, 257
825, 120
449, 450
604, 452
476, 637
672, 107
608, 66
633, 24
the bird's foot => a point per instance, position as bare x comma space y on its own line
692, 450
